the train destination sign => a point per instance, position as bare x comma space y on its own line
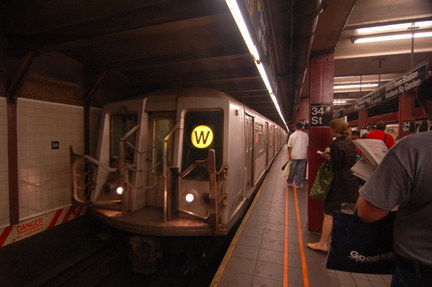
399, 86
202, 136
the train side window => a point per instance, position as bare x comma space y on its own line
202, 131
162, 127
271, 136
260, 135
120, 124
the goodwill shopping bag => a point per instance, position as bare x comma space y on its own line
321, 185
361, 247
286, 169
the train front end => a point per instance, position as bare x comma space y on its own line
161, 168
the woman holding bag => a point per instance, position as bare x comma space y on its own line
345, 186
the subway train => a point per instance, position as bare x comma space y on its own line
176, 163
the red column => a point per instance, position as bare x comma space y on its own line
321, 92
363, 119
407, 113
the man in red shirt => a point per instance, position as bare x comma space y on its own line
379, 134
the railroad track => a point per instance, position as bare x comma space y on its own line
109, 265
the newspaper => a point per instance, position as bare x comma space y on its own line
374, 151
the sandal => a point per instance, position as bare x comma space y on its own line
314, 247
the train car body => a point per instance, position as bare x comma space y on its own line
183, 163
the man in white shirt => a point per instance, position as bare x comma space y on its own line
298, 144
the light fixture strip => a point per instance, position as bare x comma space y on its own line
354, 86
408, 35
241, 24
338, 102
394, 27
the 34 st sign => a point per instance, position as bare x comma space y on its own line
321, 115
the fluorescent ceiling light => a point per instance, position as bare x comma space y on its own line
241, 24
264, 77
354, 86
391, 37
395, 27
339, 102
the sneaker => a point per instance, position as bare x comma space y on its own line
291, 184
298, 186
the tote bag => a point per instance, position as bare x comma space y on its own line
286, 169
322, 183
361, 247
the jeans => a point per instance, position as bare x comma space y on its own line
297, 170
403, 278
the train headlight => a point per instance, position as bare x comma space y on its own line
113, 188
190, 196
119, 190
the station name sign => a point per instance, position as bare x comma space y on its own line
399, 86
320, 114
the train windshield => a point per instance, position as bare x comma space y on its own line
202, 131
120, 125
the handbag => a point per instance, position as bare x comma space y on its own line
322, 183
362, 247
286, 169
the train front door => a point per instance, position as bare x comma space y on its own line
160, 124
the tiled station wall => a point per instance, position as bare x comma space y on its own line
46, 130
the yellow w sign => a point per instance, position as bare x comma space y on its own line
202, 136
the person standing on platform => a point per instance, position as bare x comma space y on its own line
403, 178
355, 135
379, 134
345, 185
370, 129
394, 133
424, 127
298, 144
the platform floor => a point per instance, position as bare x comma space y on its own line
269, 248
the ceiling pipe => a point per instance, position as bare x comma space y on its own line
292, 28
279, 12
305, 19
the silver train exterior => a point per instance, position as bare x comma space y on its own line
184, 163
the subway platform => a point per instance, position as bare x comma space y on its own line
269, 248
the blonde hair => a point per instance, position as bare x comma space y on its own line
340, 127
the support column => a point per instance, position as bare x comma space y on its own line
321, 93
12, 126
407, 115
363, 119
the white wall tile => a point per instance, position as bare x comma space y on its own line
46, 172
43, 172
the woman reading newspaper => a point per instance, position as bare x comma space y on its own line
344, 188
